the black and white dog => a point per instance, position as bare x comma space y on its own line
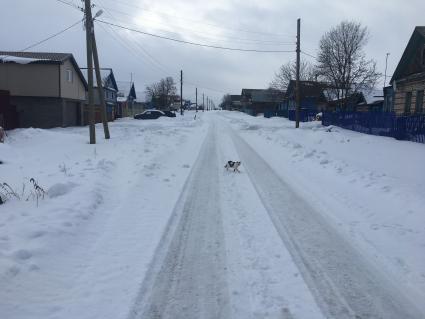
232, 165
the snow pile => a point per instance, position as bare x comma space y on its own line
90, 240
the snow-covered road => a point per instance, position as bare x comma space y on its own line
151, 225
213, 264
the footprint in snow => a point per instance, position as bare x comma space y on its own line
22, 254
309, 154
13, 271
386, 189
37, 234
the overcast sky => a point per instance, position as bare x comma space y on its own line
245, 24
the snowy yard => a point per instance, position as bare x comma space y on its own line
320, 223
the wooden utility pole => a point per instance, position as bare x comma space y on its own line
89, 45
203, 102
297, 88
181, 92
196, 100
100, 88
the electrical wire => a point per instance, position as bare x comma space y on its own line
201, 22
71, 4
229, 38
193, 43
310, 55
139, 48
51, 37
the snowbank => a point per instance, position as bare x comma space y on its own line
92, 237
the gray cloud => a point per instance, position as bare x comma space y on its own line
26, 21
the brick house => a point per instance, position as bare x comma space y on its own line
406, 94
44, 89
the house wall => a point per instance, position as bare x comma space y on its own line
46, 112
401, 92
74, 89
30, 79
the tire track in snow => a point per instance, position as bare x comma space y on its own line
344, 284
189, 280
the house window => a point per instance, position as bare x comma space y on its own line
69, 75
408, 103
419, 101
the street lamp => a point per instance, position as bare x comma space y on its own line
98, 14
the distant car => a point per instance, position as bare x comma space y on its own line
169, 113
149, 115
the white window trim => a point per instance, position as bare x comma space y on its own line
69, 76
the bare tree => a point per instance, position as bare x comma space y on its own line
342, 61
287, 72
161, 92
226, 102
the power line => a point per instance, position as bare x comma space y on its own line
233, 39
200, 22
310, 55
194, 43
205, 87
158, 65
71, 4
52, 36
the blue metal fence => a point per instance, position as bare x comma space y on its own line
411, 128
305, 115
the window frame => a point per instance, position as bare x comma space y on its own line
69, 76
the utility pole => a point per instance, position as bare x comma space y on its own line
181, 92
89, 45
203, 102
196, 103
100, 88
208, 104
386, 65
298, 95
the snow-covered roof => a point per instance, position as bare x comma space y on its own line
40, 58
18, 60
373, 96
32, 57
125, 89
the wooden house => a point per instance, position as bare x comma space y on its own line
260, 101
110, 90
312, 97
362, 101
126, 99
408, 81
41, 89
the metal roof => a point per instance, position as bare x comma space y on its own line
417, 38
42, 57
45, 58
